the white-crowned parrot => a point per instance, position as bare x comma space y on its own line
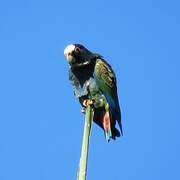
93, 79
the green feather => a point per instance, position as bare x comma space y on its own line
105, 77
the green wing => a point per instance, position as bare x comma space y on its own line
105, 78
106, 81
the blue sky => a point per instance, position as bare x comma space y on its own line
40, 120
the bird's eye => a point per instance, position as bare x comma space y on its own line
77, 50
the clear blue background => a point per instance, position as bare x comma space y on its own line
40, 120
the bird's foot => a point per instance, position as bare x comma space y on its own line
87, 102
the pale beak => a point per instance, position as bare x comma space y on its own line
70, 58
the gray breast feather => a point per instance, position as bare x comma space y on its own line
83, 86
78, 88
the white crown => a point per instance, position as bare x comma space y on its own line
69, 49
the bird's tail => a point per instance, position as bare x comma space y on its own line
115, 133
107, 126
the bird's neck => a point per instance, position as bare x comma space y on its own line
84, 72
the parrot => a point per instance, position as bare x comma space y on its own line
94, 80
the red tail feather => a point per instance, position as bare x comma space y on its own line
106, 122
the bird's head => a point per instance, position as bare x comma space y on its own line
77, 55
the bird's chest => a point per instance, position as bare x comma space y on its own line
83, 83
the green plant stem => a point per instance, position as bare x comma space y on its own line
82, 170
